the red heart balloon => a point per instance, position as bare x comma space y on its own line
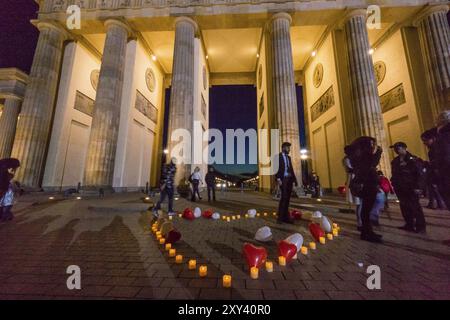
255, 256
342, 190
188, 214
295, 214
287, 250
316, 231
207, 213
173, 236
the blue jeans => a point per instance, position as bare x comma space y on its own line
377, 206
6, 213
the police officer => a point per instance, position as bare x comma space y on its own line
407, 180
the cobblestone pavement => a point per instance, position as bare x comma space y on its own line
110, 240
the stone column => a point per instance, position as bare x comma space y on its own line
182, 92
284, 95
102, 144
366, 102
8, 122
33, 127
434, 35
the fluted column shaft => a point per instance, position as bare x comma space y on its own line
32, 132
364, 91
434, 34
182, 92
285, 98
102, 145
8, 122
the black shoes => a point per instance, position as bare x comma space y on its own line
406, 228
371, 237
421, 230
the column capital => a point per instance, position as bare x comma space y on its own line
117, 22
429, 10
49, 24
354, 13
281, 15
188, 20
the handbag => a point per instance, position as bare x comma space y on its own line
356, 186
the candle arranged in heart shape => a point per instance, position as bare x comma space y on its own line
192, 264
304, 250
329, 236
281, 261
168, 246
162, 241
179, 259
312, 245
226, 280
269, 266
322, 240
203, 271
254, 272
335, 232
172, 252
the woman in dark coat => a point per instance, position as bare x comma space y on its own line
365, 156
7, 171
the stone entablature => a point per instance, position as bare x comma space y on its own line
13, 83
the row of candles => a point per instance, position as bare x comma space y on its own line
254, 271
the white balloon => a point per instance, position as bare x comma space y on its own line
216, 216
263, 234
296, 239
251, 213
325, 224
197, 212
317, 214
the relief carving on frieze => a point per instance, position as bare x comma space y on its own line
325, 102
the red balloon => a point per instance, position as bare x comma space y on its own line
295, 214
188, 214
173, 236
316, 231
287, 250
255, 256
342, 189
207, 214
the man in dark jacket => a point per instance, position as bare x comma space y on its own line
167, 187
285, 179
210, 180
442, 153
408, 182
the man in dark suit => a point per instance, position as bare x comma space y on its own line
285, 179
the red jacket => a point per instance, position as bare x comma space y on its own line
385, 185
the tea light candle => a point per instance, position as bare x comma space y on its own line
180, 215
162, 241
246, 215
274, 214
265, 214
281, 261
269, 266
335, 225
158, 237
203, 271
312, 245
170, 217
158, 233
238, 216
192, 264
304, 250
329, 236
233, 217
258, 214
226, 280
322, 240
168, 246
254, 272
335, 232
228, 219
172, 253
179, 259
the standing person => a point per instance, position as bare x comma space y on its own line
407, 179
432, 177
365, 156
210, 180
285, 178
167, 187
315, 185
350, 197
442, 153
196, 179
8, 188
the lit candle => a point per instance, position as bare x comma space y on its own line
269, 266
180, 215
162, 241
322, 240
335, 225
274, 214
192, 264
258, 214
246, 215
158, 233
168, 246
265, 214
226, 280
304, 250
238, 216
228, 219
281, 261
254, 272
233, 217
203, 271
312, 245
170, 217
179, 259
329, 236
335, 232
172, 253
158, 237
